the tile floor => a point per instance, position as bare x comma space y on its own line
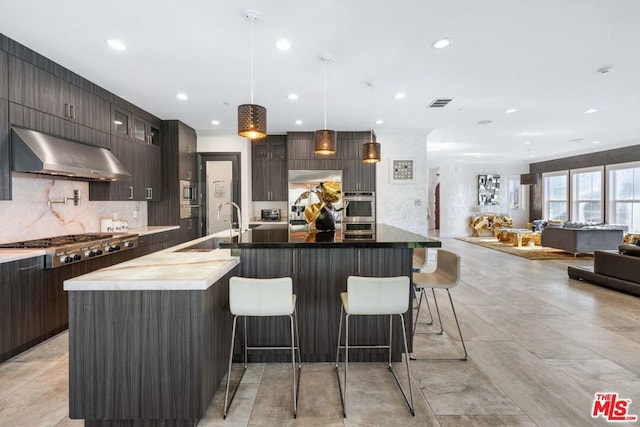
540, 346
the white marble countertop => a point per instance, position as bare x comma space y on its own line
8, 255
168, 269
152, 229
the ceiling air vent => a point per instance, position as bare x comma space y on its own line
440, 103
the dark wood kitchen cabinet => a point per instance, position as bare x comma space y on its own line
358, 176
5, 158
6, 317
27, 293
40, 90
269, 168
4, 76
187, 153
301, 145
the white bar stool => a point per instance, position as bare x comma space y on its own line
374, 296
445, 276
263, 298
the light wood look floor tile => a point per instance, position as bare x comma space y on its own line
540, 346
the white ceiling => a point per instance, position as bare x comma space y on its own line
540, 57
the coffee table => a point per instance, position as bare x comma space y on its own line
519, 236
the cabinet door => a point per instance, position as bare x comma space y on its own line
358, 176
120, 122
89, 110
187, 151
123, 190
259, 170
189, 229
5, 158
300, 145
6, 314
26, 298
35, 88
277, 172
140, 130
4, 76
152, 174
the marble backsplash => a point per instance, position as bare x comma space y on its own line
30, 216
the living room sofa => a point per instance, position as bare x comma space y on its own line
583, 239
619, 270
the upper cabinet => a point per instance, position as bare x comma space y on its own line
269, 168
187, 153
4, 76
42, 91
301, 145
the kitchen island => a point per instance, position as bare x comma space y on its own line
149, 338
319, 264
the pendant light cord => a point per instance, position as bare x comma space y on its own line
325, 94
252, 60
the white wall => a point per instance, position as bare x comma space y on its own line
459, 195
28, 216
231, 143
403, 205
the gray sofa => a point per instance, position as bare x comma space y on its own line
583, 239
619, 270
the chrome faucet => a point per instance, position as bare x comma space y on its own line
220, 206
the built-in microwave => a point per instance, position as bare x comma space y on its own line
188, 192
359, 206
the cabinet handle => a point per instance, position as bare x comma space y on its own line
67, 110
149, 193
72, 110
188, 175
131, 192
358, 261
31, 267
293, 262
301, 253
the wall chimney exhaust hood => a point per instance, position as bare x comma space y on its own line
37, 152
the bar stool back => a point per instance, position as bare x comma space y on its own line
374, 296
263, 298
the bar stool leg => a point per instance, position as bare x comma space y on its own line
226, 393
293, 368
344, 414
406, 361
390, 337
435, 300
346, 362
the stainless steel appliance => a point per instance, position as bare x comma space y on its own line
189, 207
63, 250
359, 214
270, 215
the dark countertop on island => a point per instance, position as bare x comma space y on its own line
296, 236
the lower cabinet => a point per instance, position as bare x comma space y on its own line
189, 229
150, 243
6, 319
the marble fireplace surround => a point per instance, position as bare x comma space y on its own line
29, 216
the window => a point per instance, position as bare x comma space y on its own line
515, 198
624, 195
555, 195
587, 195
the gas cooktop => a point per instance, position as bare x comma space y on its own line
62, 250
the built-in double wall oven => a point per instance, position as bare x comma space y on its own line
359, 215
188, 199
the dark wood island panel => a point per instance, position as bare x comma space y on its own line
147, 357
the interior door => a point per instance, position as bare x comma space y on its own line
219, 188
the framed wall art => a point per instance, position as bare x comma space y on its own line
488, 190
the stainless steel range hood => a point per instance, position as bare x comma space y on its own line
37, 152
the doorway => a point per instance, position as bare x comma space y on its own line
220, 178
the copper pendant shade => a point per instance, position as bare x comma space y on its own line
252, 118
252, 121
325, 139
371, 152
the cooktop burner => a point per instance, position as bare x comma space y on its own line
62, 250
51, 242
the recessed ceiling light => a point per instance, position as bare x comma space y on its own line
117, 122
591, 111
283, 44
510, 111
379, 122
400, 95
293, 96
596, 142
182, 96
215, 122
576, 140
298, 122
116, 44
531, 156
605, 70
485, 122
527, 142
441, 44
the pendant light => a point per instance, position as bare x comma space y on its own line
325, 139
252, 118
371, 149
